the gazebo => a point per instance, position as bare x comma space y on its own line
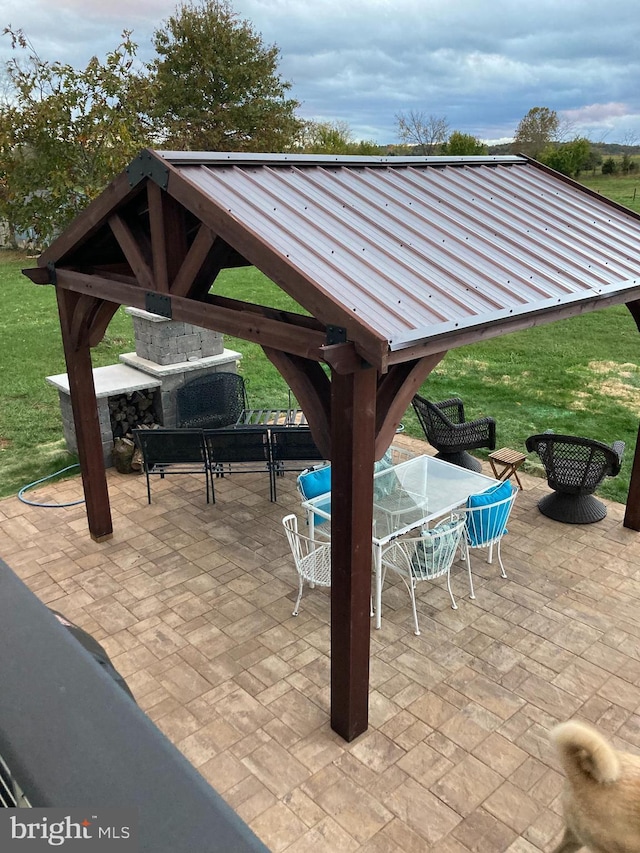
396, 260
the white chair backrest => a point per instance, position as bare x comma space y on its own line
431, 554
487, 523
436, 548
313, 560
290, 524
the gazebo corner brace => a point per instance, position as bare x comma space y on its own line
158, 303
147, 165
336, 335
341, 354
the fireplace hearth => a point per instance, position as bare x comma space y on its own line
168, 354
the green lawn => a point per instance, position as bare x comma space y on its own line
624, 190
578, 376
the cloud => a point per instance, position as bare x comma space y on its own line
363, 61
596, 113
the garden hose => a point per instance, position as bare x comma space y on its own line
42, 480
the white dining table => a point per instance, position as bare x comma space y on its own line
406, 497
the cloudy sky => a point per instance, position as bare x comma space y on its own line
482, 64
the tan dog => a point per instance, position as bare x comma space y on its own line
602, 794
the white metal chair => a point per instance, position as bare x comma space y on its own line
312, 559
311, 483
425, 557
486, 517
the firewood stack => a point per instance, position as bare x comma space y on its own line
131, 411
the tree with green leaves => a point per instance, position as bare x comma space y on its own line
217, 86
627, 165
569, 158
64, 134
426, 133
327, 137
463, 144
536, 130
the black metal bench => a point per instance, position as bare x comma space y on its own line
172, 451
292, 449
270, 449
240, 450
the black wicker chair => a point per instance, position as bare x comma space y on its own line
446, 429
211, 401
575, 467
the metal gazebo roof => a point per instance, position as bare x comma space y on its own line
396, 260
418, 249
408, 255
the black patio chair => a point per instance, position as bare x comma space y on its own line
292, 449
575, 467
446, 429
240, 450
211, 401
172, 451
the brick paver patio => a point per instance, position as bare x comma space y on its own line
193, 603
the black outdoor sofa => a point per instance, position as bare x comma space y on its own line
214, 453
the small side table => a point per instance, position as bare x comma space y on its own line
509, 460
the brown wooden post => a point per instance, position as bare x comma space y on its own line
85, 416
632, 511
353, 408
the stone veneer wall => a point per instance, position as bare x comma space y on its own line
175, 353
165, 341
168, 354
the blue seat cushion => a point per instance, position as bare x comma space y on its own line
383, 486
487, 522
313, 483
434, 542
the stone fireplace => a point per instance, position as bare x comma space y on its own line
168, 354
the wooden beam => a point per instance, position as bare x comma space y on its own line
81, 320
84, 226
38, 275
85, 414
343, 358
102, 317
632, 510
312, 389
547, 314
158, 237
634, 310
353, 407
243, 324
274, 313
132, 253
168, 238
395, 392
191, 270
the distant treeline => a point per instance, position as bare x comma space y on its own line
609, 149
